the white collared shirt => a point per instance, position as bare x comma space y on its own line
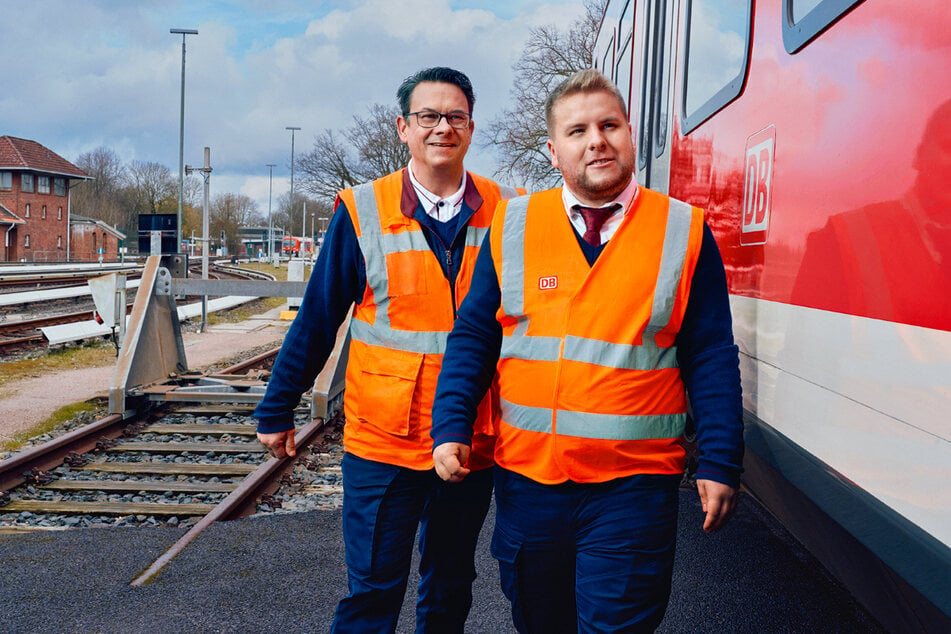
442, 209
626, 198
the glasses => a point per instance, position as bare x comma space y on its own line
431, 118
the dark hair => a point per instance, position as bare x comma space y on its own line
439, 74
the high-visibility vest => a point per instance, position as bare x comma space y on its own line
588, 380
399, 329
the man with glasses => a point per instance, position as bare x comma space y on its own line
401, 250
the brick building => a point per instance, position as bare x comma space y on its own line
91, 240
34, 201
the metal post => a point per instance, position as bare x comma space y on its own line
181, 141
206, 172
291, 203
270, 183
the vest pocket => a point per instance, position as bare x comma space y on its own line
387, 387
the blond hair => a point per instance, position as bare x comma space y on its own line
583, 81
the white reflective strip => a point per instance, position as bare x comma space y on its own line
475, 236
619, 355
371, 244
404, 242
618, 427
593, 426
520, 346
671, 265
406, 340
513, 257
526, 418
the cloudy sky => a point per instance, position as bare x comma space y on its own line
80, 74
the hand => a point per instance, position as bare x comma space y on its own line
450, 459
718, 501
280, 444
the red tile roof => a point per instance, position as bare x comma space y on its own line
23, 154
7, 217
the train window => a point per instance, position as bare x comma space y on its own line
662, 78
607, 62
803, 20
719, 34
625, 25
624, 69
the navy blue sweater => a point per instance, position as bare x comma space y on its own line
337, 282
708, 358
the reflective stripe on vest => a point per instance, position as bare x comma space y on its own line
589, 425
375, 247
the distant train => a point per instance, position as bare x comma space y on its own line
816, 134
293, 247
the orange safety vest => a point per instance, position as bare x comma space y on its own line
399, 329
589, 387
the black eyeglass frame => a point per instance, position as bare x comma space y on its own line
442, 115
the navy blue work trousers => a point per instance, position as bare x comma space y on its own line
586, 557
382, 506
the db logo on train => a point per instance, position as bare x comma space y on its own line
756, 192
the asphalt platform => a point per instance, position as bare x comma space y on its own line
284, 573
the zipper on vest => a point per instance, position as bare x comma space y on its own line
449, 275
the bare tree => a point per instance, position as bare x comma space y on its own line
519, 133
227, 213
100, 197
366, 150
151, 188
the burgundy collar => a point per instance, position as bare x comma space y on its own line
409, 202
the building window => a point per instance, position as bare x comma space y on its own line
26, 241
26, 183
59, 242
43, 214
59, 213
6, 180
43, 184
26, 212
59, 186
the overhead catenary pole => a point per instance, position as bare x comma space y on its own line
181, 141
206, 174
270, 183
291, 204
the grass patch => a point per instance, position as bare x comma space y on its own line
58, 417
89, 355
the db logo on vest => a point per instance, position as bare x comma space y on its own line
547, 283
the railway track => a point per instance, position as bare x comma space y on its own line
22, 333
169, 466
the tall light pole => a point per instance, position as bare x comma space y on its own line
181, 140
270, 183
291, 204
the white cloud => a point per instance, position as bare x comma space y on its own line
109, 74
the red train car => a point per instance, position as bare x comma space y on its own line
293, 247
816, 134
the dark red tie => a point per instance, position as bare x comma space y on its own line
594, 217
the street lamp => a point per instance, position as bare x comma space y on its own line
181, 139
270, 183
303, 220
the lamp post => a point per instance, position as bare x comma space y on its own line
291, 204
270, 183
181, 140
